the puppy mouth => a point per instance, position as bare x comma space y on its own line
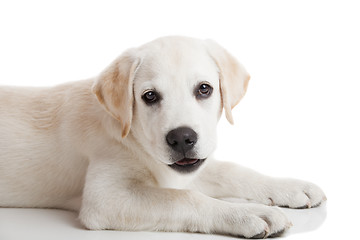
187, 165
186, 161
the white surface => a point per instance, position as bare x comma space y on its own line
300, 117
54, 224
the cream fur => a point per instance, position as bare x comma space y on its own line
93, 146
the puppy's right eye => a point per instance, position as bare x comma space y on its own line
150, 97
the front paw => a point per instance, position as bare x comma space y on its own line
293, 194
252, 221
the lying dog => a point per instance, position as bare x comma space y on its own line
131, 149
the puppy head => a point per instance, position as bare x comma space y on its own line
169, 95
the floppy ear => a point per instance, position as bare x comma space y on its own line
114, 89
233, 77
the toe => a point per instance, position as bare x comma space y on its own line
315, 194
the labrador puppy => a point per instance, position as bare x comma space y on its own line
132, 148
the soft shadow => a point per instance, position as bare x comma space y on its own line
303, 220
306, 220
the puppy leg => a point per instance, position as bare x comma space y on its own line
224, 180
110, 202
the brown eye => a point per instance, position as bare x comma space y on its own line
204, 91
150, 97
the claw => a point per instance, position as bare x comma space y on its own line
289, 225
272, 202
263, 234
259, 236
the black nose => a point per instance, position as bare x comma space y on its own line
181, 139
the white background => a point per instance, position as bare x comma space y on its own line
300, 116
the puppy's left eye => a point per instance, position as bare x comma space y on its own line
204, 90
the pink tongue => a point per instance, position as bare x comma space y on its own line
186, 161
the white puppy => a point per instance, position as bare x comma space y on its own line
131, 149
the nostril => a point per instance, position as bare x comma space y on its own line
172, 142
171, 139
189, 142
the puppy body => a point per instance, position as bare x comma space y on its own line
42, 143
100, 147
